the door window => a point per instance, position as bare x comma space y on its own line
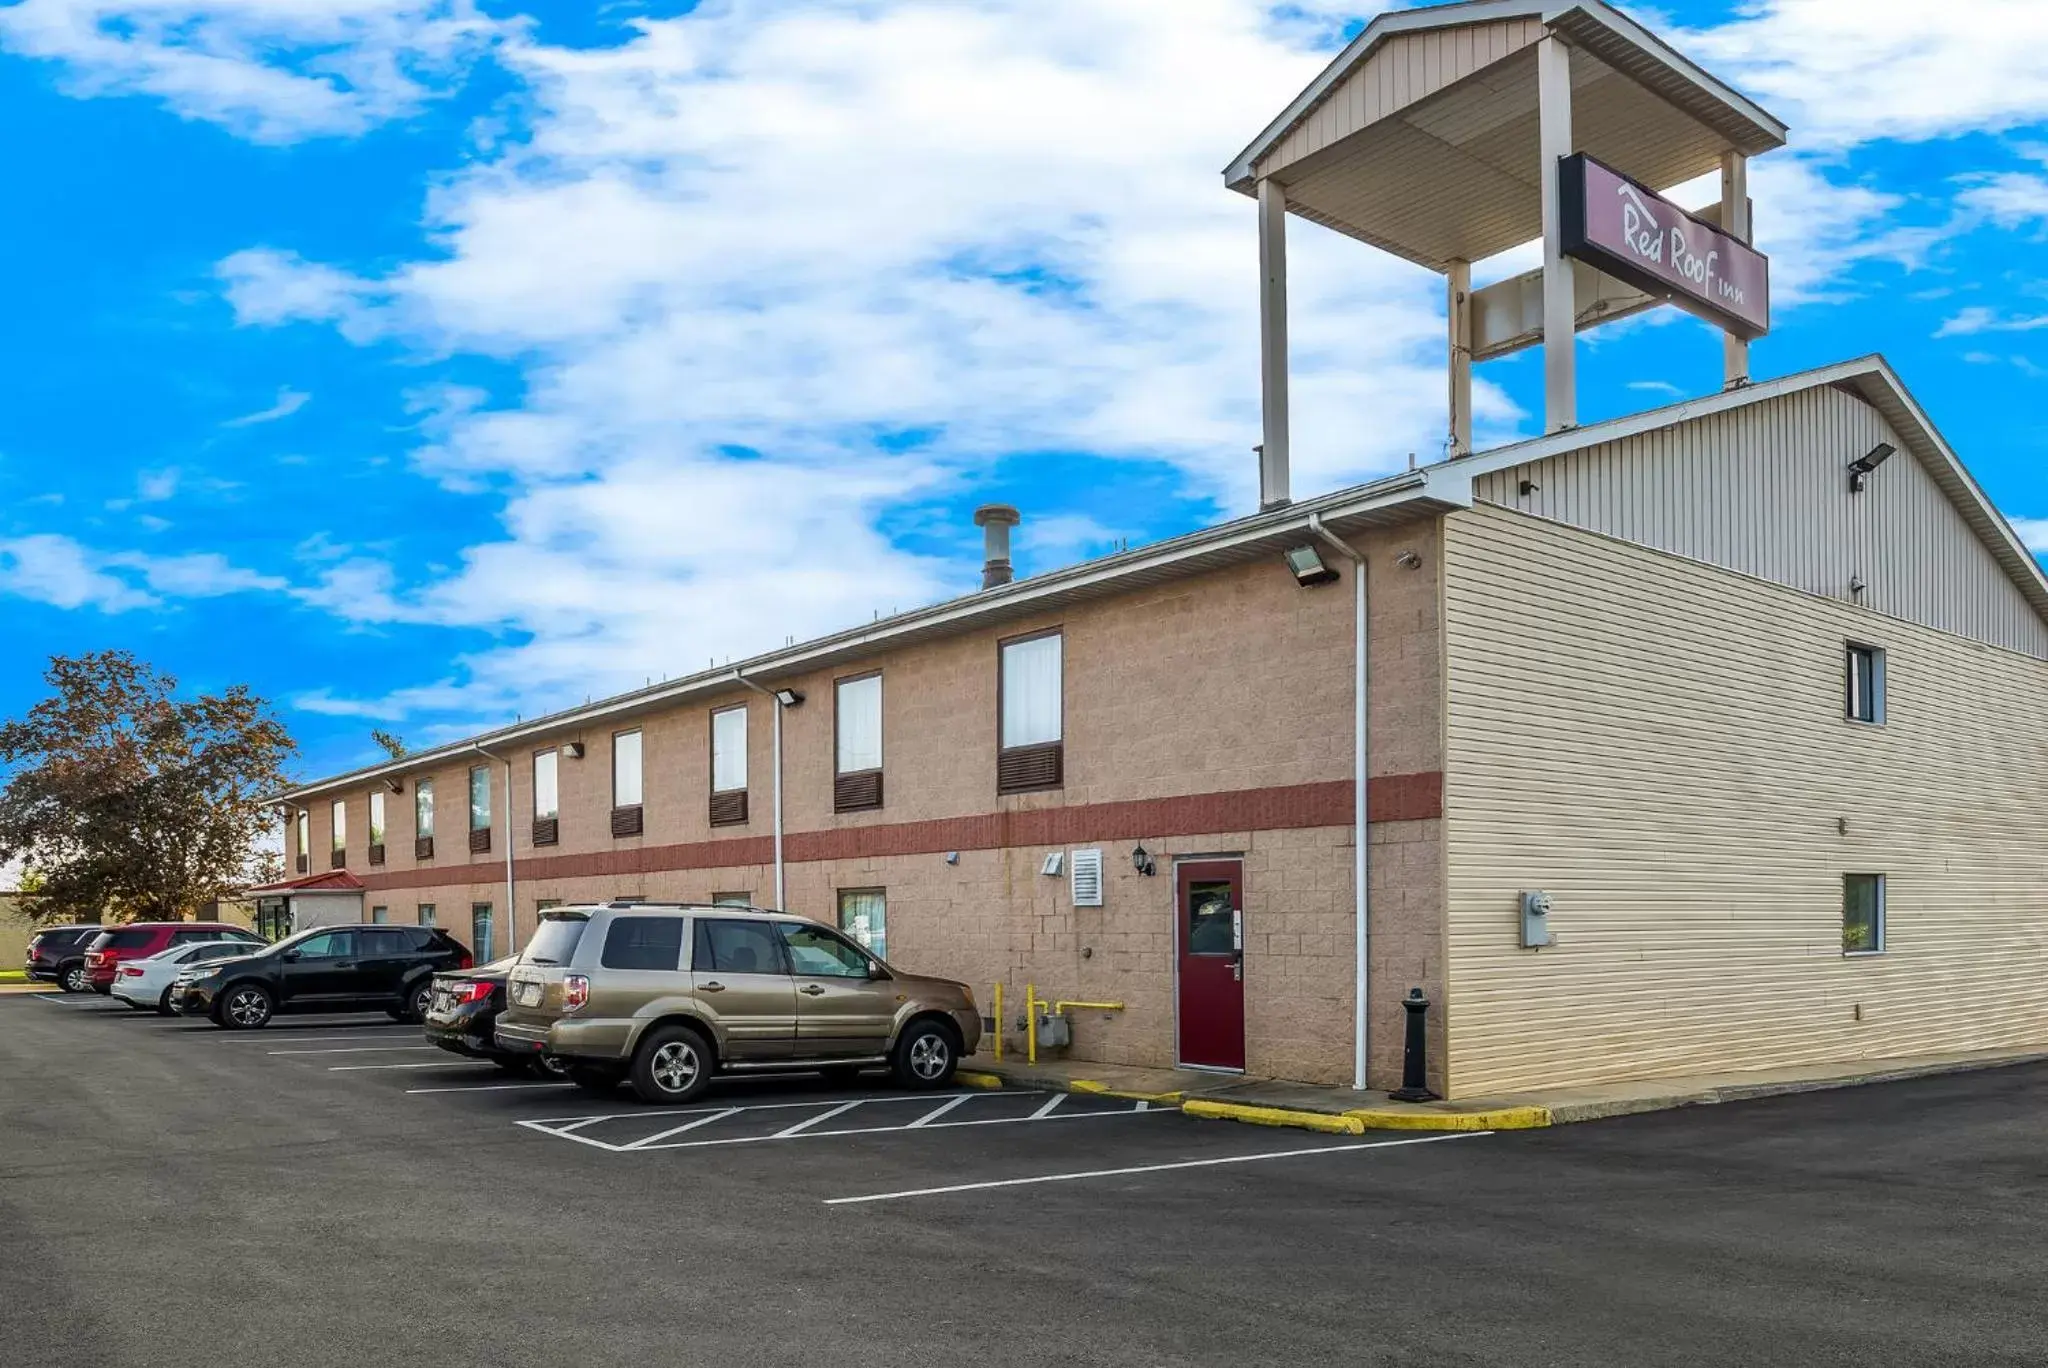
644, 943
326, 945
202, 953
480, 932
386, 944
738, 947
1209, 929
864, 915
815, 952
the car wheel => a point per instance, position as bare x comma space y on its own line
246, 1007
418, 1001
73, 979
672, 1065
163, 1004
925, 1056
592, 1077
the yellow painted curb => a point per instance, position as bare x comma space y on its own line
1090, 1085
1274, 1116
1505, 1118
976, 1080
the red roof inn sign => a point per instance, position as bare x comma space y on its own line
1634, 234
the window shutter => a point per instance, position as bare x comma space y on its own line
423, 848
729, 809
546, 830
853, 792
1087, 878
626, 821
1021, 768
480, 841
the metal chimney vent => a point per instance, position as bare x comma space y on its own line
995, 522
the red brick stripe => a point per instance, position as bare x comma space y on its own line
1395, 798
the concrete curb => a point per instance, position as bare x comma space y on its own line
1089, 1085
970, 1079
1499, 1118
1274, 1116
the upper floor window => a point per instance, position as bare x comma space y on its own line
479, 809
1029, 700
729, 765
857, 727
546, 799
376, 826
626, 783
1865, 684
423, 809
338, 820
302, 837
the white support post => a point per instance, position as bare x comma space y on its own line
1458, 309
1560, 308
1735, 222
1273, 460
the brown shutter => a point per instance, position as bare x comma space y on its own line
377, 854
626, 821
480, 841
423, 848
337, 859
546, 830
729, 809
302, 864
853, 792
1023, 768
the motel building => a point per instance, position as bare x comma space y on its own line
1707, 738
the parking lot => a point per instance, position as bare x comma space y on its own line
331, 1190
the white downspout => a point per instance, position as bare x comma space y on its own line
1361, 830
511, 888
774, 706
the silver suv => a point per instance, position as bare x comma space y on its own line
666, 994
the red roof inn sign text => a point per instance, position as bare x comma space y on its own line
1634, 234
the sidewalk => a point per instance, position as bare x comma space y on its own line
1268, 1101
17, 987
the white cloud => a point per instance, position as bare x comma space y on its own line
155, 486
1980, 319
202, 574
271, 70
268, 288
2010, 199
2033, 534
289, 401
1664, 387
47, 568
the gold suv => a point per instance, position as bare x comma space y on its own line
667, 994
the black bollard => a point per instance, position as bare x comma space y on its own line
1415, 1053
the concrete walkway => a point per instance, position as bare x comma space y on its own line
1273, 1102
19, 987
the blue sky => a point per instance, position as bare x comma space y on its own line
425, 363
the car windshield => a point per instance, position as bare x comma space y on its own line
555, 940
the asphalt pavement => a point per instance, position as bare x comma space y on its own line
329, 1192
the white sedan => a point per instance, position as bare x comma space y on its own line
146, 983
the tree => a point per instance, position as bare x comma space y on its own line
128, 802
391, 745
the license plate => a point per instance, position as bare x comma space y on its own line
527, 994
443, 1001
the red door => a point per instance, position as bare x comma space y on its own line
1209, 914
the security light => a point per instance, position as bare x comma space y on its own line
1141, 860
1860, 468
1305, 563
573, 749
788, 698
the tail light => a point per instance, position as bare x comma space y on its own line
131, 971
95, 958
463, 960
575, 991
470, 992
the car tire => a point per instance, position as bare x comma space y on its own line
592, 1077
925, 1055
163, 1004
673, 1064
71, 978
245, 1007
419, 998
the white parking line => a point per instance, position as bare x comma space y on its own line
802, 1126
363, 1068
266, 1038
484, 1087
940, 1111
52, 999
1147, 1168
750, 1106
1051, 1105
359, 1049
704, 1120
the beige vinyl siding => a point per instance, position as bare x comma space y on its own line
1660, 745
1764, 490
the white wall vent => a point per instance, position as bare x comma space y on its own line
1087, 878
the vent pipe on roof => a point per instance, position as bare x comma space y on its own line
995, 522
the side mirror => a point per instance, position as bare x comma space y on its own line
291, 957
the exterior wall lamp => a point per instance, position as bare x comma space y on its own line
573, 749
789, 698
1860, 468
1306, 564
1142, 861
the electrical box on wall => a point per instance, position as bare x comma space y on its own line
1535, 919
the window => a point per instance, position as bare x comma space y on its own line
423, 820
857, 732
1029, 700
738, 947
387, 944
626, 784
338, 819
327, 945
380, 916
864, 915
1866, 684
426, 914
1863, 914
543, 904
644, 943
629, 897
547, 828
479, 809
815, 952
480, 932
302, 836
732, 899
377, 826
201, 954
555, 939
729, 766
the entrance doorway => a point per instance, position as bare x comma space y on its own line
1209, 922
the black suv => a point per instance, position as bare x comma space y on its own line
57, 954
325, 969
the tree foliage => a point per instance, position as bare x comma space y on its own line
391, 745
127, 802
